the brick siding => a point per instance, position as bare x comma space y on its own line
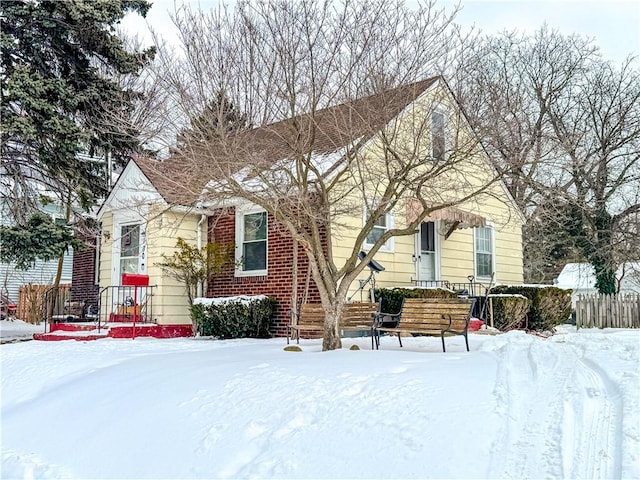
278, 283
83, 287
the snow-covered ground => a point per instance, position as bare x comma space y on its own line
516, 406
17, 330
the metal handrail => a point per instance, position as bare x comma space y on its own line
432, 283
471, 288
115, 300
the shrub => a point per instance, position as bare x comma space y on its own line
192, 266
550, 306
391, 298
509, 311
247, 317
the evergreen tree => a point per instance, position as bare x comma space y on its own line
56, 101
40, 239
219, 117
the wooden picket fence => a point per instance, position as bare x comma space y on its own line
31, 301
613, 311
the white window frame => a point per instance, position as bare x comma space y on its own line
440, 110
493, 252
389, 224
239, 236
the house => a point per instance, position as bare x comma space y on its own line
153, 203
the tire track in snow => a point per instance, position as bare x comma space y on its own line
593, 433
530, 380
562, 416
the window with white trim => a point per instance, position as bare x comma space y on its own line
251, 242
382, 225
484, 251
438, 138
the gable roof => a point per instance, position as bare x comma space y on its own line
182, 178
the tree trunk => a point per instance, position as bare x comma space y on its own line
55, 289
56, 282
603, 261
606, 280
331, 339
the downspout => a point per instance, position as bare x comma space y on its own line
199, 244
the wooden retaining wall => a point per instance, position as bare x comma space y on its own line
613, 311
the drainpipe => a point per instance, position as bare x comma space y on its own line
199, 243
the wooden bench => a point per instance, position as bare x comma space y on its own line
355, 316
428, 316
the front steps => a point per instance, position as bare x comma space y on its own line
89, 331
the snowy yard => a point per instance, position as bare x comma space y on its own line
18, 330
516, 406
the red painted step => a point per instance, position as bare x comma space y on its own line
52, 337
64, 331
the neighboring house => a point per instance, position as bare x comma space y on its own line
42, 273
581, 279
79, 268
153, 203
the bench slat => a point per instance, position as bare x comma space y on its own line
355, 316
433, 316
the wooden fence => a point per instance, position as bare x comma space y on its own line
614, 311
31, 301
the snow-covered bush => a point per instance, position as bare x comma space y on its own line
234, 317
550, 306
509, 311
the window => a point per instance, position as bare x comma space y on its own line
428, 237
383, 223
438, 141
129, 248
484, 251
252, 241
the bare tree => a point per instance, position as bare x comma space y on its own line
340, 125
597, 125
562, 126
508, 84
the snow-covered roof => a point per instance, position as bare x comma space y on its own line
582, 276
576, 275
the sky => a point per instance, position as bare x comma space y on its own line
515, 406
613, 24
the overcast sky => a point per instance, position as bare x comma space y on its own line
613, 24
